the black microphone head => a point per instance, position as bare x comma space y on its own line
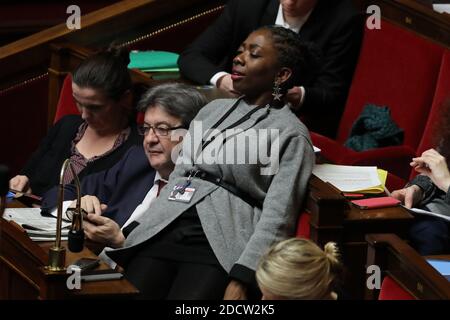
4, 180
76, 240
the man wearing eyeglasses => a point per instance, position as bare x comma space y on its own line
118, 196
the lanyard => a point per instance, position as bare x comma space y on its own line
193, 172
233, 125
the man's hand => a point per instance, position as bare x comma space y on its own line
103, 230
225, 83
294, 96
235, 291
91, 204
409, 196
432, 164
20, 183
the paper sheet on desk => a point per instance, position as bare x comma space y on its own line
352, 178
38, 227
428, 213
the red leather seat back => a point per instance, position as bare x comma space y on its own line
398, 69
303, 229
441, 95
66, 103
391, 290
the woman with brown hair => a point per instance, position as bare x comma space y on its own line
97, 138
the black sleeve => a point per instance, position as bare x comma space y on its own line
427, 186
43, 148
205, 56
246, 276
327, 92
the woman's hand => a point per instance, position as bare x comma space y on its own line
432, 164
235, 291
226, 83
20, 183
409, 196
103, 230
294, 96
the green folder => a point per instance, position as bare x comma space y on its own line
154, 61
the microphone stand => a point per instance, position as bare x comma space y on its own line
57, 253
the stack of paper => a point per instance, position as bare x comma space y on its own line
38, 227
429, 213
360, 179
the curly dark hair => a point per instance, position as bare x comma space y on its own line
301, 57
441, 132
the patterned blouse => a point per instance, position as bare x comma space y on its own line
79, 162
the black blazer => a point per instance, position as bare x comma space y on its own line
334, 26
44, 166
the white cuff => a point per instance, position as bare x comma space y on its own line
66, 205
216, 77
112, 264
302, 97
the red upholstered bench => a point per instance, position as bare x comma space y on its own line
441, 103
66, 103
398, 69
392, 290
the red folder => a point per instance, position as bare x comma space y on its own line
380, 202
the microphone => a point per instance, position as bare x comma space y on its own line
76, 232
4, 187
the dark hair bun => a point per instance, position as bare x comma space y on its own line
119, 53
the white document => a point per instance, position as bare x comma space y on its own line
38, 227
429, 213
441, 8
348, 178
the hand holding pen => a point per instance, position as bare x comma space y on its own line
433, 165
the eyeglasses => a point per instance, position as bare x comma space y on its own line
144, 129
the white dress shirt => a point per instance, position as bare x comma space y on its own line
145, 204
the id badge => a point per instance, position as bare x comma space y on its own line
181, 193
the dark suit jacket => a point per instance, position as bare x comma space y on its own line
334, 26
122, 188
44, 166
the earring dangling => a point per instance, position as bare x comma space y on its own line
277, 100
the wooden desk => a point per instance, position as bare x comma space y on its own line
23, 276
332, 218
406, 267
